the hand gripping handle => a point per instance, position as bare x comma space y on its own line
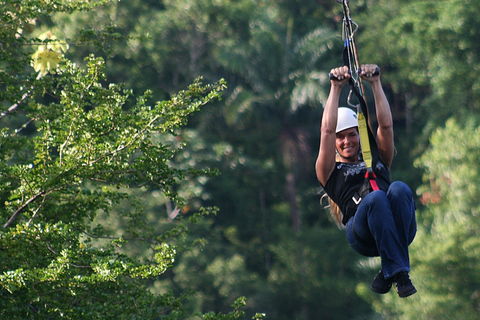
376, 73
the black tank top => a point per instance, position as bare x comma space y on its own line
347, 179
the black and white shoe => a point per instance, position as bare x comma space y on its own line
405, 287
380, 284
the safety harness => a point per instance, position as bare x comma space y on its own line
367, 139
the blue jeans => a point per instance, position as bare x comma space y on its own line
384, 225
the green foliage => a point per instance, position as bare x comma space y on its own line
276, 57
430, 52
221, 273
240, 302
86, 136
72, 146
99, 184
446, 252
301, 274
51, 273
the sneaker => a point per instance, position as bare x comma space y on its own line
404, 284
380, 285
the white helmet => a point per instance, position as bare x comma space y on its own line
347, 118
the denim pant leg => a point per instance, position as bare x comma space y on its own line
403, 209
384, 225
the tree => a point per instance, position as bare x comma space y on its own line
275, 64
444, 254
432, 63
275, 56
72, 144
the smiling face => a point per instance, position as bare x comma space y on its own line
347, 143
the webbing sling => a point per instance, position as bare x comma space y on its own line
367, 139
350, 59
365, 135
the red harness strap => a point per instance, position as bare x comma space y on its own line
370, 175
